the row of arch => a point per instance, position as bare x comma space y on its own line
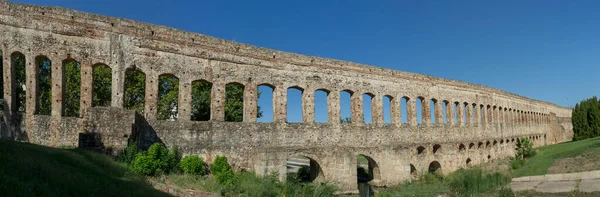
343, 106
420, 150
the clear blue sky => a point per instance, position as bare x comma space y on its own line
543, 49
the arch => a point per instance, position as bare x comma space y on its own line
471, 145
432, 111
135, 90
301, 168
265, 102
461, 147
445, 114
403, 109
413, 171
387, 108
474, 117
420, 150
501, 141
44, 85
168, 97
294, 104
436, 148
495, 142
489, 157
465, 115
481, 114
468, 162
487, 144
480, 145
201, 100
369, 174
19, 77
435, 167
71, 87
321, 107
346, 106
456, 114
234, 102
101, 85
419, 109
368, 99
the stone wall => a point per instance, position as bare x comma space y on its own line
396, 150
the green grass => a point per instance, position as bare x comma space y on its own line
547, 155
33, 170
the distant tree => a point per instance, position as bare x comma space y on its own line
102, 86
168, 95
586, 119
346, 120
135, 86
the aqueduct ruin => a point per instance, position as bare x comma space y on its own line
485, 126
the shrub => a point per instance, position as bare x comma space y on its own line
192, 165
517, 163
156, 159
222, 171
468, 182
128, 154
524, 148
506, 192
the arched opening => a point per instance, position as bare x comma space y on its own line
301, 169
487, 144
403, 112
464, 108
445, 111
468, 162
471, 145
201, 95
366, 168
432, 109
455, 115
413, 171
321, 107
234, 102
420, 150
294, 104
495, 142
501, 141
135, 90
346, 106
44, 85
474, 117
19, 84
71, 88
436, 148
419, 109
367, 107
461, 148
101, 85
489, 157
168, 97
435, 167
480, 145
265, 103
481, 114
387, 114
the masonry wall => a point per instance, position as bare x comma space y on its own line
60, 34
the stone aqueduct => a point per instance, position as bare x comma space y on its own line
395, 150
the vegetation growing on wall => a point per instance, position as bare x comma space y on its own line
586, 119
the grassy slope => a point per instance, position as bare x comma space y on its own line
545, 157
33, 170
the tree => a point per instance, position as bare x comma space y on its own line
586, 119
102, 86
72, 88
18, 61
201, 100
346, 120
168, 95
44, 86
135, 83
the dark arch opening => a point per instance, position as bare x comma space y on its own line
471, 145
468, 162
420, 150
435, 167
302, 169
135, 90
44, 85
489, 157
201, 100
19, 84
234, 102
461, 147
367, 169
480, 145
413, 171
487, 144
101, 85
436, 147
71, 88
168, 97
495, 142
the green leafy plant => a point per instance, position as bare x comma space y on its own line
524, 149
222, 171
129, 153
156, 159
192, 165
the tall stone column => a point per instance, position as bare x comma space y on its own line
411, 112
31, 79
184, 103
333, 106
308, 105
478, 118
118, 87
459, 114
439, 117
57, 98
250, 102
280, 103
449, 113
469, 111
151, 97
425, 112
395, 114
217, 101
356, 103
87, 80
377, 109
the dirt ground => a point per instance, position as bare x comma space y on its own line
587, 161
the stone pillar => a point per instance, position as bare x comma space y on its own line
425, 112
494, 115
449, 113
459, 114
469, 111
151, 97
411, 111
118, 87
57, 92
280, 103
439, 117
86, 88
217, 101
478, 118
308, 105
333, 107
7, 72
377, 109
184, 103
31, 78
356, 107
250, 102
395, 114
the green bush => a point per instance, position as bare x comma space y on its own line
192, 165
128, 154
524, 149
506, 192
472, 181
222, 171
517, 163
156, 159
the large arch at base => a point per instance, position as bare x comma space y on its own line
372, 169
300, 168
435, 167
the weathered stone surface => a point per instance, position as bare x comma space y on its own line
495, 118
588, 186
523, 186
556, 187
